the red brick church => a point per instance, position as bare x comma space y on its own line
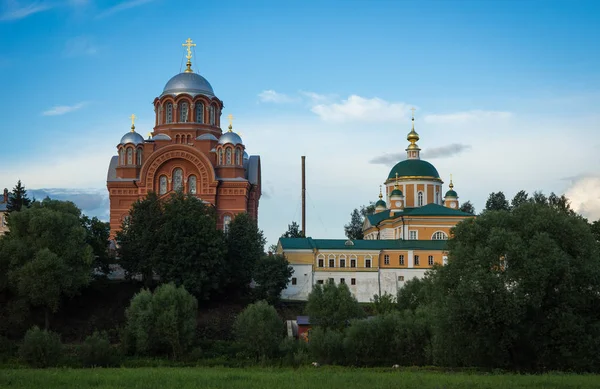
186, 151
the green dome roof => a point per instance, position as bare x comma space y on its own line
451, 193
413, 167
380, 203
396, 192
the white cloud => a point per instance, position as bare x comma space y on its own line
270, 96
64, 109
584, 194
357, 108
466, 116
80, 45
15, 11
125, 5
316, 98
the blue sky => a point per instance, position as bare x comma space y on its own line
506, 93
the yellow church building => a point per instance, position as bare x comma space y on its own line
403, 238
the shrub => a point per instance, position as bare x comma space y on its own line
327, 346
8, 348
259, 330
293, 352
97, 351
163, 322
40, 348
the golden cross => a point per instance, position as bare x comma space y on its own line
413, 112
188, 43
132, 117
230, 117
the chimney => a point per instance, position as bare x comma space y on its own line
5, 200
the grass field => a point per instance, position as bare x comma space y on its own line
330, 378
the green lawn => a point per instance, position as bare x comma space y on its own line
330, 378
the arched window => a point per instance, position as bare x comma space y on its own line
199, 113
130, 156
176, 138
439, 235
228, 153
331, 260
183, 113
162, 185
189, 139
121, 157
420, 199
169, 113
226, 221
192, 185
212, 115
238, 157
139, 156
220, 156
160, 114
177, 179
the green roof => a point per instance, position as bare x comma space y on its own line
451, 193
380, 203
341, 244
396, 192
426, 210
413, 167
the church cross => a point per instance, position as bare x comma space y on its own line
413, 112
230, 117
188, 43
133, 117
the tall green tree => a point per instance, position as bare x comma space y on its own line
293, 231
467, 207
190, 250
367, 209
46, 256
595, 228
98, 233
331, 306
272, 274
139, 238
520, 290
259, 330
497, 202
18, 199
353, 229
520, 198
245, 247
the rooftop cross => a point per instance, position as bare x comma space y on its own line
132, 117
230, 117
413, 109
188, 44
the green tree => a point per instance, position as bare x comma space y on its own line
46, 255
293, 231
353, 229
415, 293
190, 250
98, 233
139, 238
332, 306
497, 202
245, 247
384, 303
520, 290
366, 210
18, 199
520, 198
259, 330
595, 228
467, 207
272, 274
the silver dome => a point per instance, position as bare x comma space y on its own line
132, 137
246, 156
230, 137
161, 137
191, 83
206, 137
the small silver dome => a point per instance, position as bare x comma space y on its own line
206, 137
191, 83
161, 137
132, 137
230, 137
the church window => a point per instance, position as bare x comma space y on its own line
199, 113
430, 260
400, 278
130, 156
226, 222
192, 184
220, 156
352, 281
169, 113
294, 281
212, 115
367, 263
412, 235
121, 157
238, 157
177, 179
420, 199
228, 156
439, 235
386, 259
416, 260
320, 262
401, 259
353, 262
162, 185
342, 261
138, 154
331, 262
189, 139
160, 113
342, 280
183, 113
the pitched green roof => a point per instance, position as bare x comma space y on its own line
341, 244
413, 167
426, 210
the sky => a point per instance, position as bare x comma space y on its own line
506, 94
